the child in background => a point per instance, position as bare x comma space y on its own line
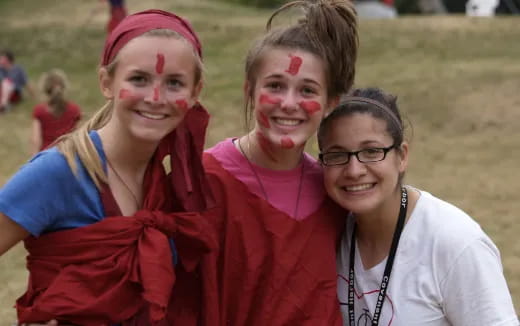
55, 117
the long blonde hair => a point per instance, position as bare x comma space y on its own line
78, 144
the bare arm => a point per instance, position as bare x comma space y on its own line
36, 136
10, 233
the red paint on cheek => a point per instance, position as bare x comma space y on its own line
295, 64
286, 142
265, 145
310, 106
156, 94
182, 104
159, 66
266, 99
125, 94
263, 119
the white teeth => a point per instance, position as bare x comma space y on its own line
359, 187
152, 116
287, 122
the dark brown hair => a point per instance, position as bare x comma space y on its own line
347, 107
328, 29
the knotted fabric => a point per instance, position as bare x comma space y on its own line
106, 272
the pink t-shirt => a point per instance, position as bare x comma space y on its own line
282, 187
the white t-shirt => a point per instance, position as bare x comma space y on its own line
446, 272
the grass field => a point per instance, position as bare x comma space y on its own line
457, 79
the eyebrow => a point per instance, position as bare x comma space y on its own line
364, 143
305, 80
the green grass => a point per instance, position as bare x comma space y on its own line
457, 80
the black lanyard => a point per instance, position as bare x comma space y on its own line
388, 268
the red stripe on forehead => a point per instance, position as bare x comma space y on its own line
159, 66
294, 66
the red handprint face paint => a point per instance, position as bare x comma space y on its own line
310, 107
182, 105
265, 145
156, 94
125, 94
263, 119
266, 99
286, 142
159, 66
294, 66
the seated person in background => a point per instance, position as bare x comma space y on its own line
56, 116
13, 80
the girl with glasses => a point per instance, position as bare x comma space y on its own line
407, 257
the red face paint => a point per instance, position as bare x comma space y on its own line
265, 145
263, 119
125, 94
286, 142
266, 99
159, 66
295, 64
156, 94
182, 104
310, 106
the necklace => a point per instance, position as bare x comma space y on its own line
388, 267
134, 196
260, 181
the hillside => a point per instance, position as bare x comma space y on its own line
457, 80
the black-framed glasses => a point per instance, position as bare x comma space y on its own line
367, 155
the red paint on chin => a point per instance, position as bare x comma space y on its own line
263, 119
159, 66
182, 104
156, 94
265, 145
287, 142
266, 99
294, 66
310, 106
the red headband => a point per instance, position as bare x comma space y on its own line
139, 23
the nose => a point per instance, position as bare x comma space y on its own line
354, 169
155, 94
289, 102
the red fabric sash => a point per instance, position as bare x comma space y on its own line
109, 271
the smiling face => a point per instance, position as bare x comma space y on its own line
363, 188
152, 88
289, 98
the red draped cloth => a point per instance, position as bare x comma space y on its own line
109, 271
269, 269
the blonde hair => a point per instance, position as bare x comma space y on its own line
78, 144
53, 85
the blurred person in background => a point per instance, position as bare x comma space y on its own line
57, 115
13, 80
